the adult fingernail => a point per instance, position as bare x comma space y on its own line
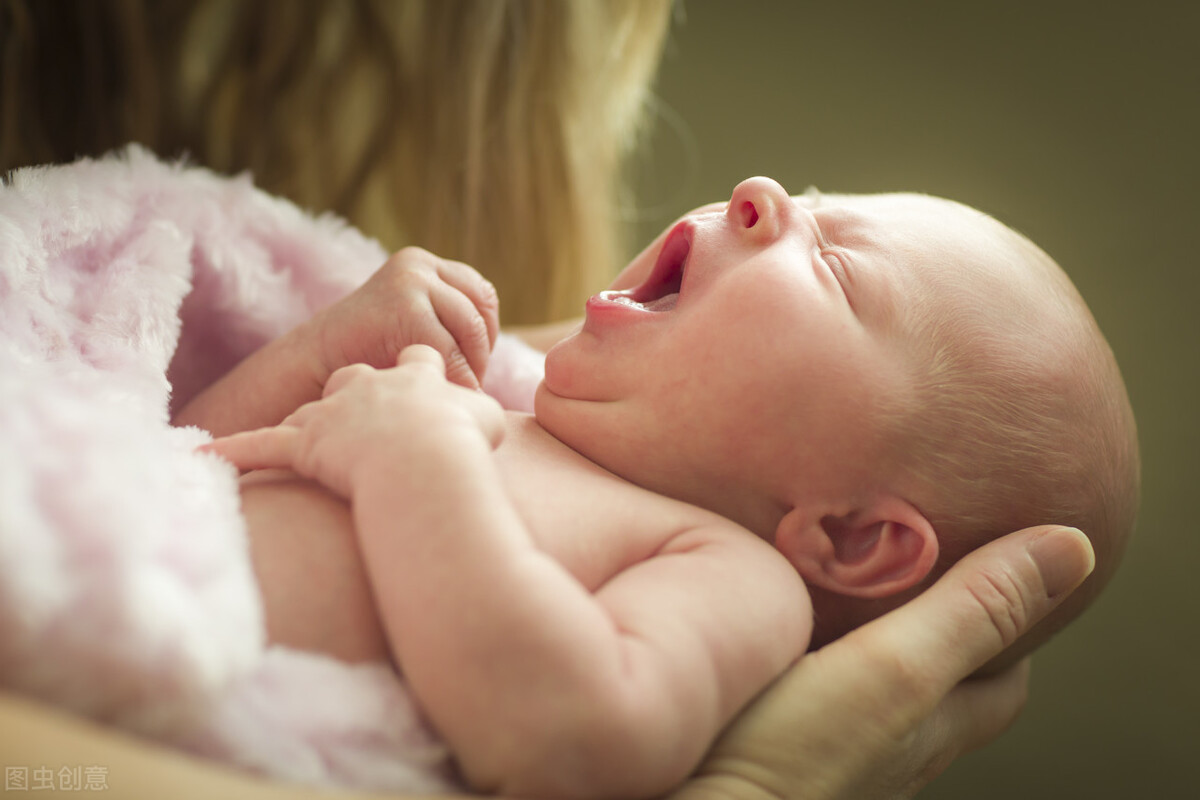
1064, 557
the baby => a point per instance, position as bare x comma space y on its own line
791, 416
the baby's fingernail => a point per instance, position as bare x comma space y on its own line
1064, 557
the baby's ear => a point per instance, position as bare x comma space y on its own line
872, 552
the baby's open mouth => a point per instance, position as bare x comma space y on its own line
661, 290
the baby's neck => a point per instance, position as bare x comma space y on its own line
751, 510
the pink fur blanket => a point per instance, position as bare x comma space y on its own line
126, 593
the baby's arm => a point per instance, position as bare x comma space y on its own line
414, 298
540, 687
545, 690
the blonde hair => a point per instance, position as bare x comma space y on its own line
488, 131
1022, 419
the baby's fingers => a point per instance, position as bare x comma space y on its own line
337, 381
479, 291
265, 448
424, 355
464, 339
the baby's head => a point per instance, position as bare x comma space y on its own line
1016, 413
876, 384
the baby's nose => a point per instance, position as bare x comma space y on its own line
759, 208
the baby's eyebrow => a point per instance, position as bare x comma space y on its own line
849, 227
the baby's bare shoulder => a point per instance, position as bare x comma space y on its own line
734, 556
721, 609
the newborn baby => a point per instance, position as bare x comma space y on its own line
789, 416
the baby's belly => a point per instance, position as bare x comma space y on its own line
305, 554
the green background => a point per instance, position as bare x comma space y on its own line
1078, 124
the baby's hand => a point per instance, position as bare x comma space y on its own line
414, 298
399, 415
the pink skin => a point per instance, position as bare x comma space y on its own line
757, 391
415, 297
706, 395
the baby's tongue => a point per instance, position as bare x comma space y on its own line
664, 303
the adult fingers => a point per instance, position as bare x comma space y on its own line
979, 607
265, 448
973, 714
884, 680
882, 710
978, 710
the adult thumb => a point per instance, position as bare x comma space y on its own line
981, 606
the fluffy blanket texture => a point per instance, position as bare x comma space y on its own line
126, 592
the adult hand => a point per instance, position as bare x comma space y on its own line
885, 709
414, 298
876, 714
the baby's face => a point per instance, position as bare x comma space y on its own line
766, 343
